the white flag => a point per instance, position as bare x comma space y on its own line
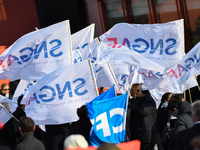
81, 40
13, 105
126, 56
161, 43
4, 114
20, 90
187, 67
83, 37
37, 53
105, 76
54, 98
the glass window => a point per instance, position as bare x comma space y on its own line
113, 12
167, 10
140, 11
193, 10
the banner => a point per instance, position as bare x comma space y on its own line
83, 37
20, 90
54, 98
31, 56
4, 114
105, 76
81, 40
124, 55
161, 43
106, 95
185, 68
13, 105
109, 120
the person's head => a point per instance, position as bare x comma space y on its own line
74, 141
5, 89
103, 89
196, 111
139, 92
82, 112
22, 106
174, 104
133, 90
165, 98
26, 125
108, 146
5, 104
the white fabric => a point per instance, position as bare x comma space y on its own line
105, 76
161, 43
122, 80
13, 105
124, 56
81, 40
83, 36
77, 56
4, 114
187, 67
37, 53
54, 98
20, 90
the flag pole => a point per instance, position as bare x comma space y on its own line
189, 92
9, 113
113, 75
70, 41
184, 93
93, 77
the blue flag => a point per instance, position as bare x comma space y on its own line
106, 95
109, 120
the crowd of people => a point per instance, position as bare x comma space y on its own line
174, 125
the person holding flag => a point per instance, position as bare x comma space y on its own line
143, 119
108, 116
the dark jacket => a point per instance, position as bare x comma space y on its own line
10, 134
184, 118
184, 137
83, 127
143, 117
19, 113
184, 121
30, 143
56, 134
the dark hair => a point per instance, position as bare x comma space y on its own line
27, 125
174, 102
82, 112
108, 146
164, 97
3, 85
145, 91
19, 100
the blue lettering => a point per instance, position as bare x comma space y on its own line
42, 96
138, 46
189, 66
196, 58
59, 43
43, 46
26, 58
84, 45
61, 93
153, 49
80, 86
160, 74
170, 46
